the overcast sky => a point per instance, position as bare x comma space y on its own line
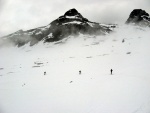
28, 14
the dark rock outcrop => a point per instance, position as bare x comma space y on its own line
139, 17
71, 23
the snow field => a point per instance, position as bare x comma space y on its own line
25, 89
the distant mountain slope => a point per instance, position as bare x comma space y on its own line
139, 17
71, 23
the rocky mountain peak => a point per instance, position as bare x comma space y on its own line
139, 13
139, 17
71, 12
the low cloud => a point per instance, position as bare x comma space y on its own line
28, 14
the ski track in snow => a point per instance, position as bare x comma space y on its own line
24, 88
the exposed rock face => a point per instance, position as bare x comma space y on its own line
71, 23
139, 17
73, 12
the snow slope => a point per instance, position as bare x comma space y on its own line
25, 89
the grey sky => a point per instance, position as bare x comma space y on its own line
28, 14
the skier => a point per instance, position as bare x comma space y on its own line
45, 73
111, 71
80, 72
123, 41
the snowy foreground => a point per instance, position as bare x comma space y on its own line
25, 89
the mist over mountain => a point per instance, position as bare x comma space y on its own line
71, 23
25, 89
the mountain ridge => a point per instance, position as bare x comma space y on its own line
71, 23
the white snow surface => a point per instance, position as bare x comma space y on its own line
71, 17
50, 35
25, 89
46, 27
38, 33
73, 22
